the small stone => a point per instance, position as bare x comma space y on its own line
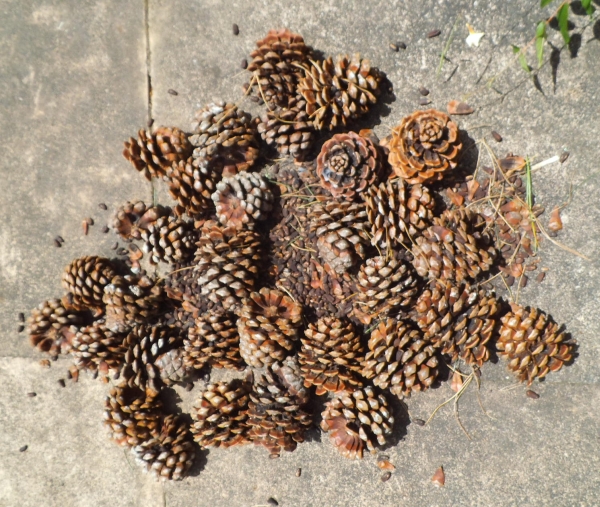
434, 33
418, 422
236, 29
61, 382
103, 206
386, 476
394, 47
272, 501
31, 395
24, 448
532, 394
21, 328
21, 317
57, 243
170, 91
298, 472
244, 64
564, 157
423, 101
496, 136
423, 91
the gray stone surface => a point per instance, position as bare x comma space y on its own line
73, 87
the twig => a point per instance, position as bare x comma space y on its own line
447, 46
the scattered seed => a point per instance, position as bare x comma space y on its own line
21, 328
122, 251
244, 64
510, 281
189, 386
31, 395
85, 226
103, 206
60, 238
532, 394
496, 136
254, 98
115, 246
45, 363
423, 101
564, 157
457, 107
382, 457
236, 29
90, 221
540, 277
21, 317
418, 422
272, 501
423, 91
298, 472
433, 33
545, 269
24, 448
401, 45
57, 243
150, 122
523, 282
439, 478
386, 476
61, 382
555, 224
394, 47
170, 91
385, 464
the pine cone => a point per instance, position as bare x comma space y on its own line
398, 212
330, 356
134, 217
348, 165
451, 250
191, 184
532, 343
224, 139
242, 199
424, 146
132, 416
336, 94
277, 65
384, 285
226, 264
341, 232
85, 278
214, 339
95, 348
268, 327
399, 358
221, 415
153, 154
169, 239
173, 368
458, 320
355, 419
275, 415
50, 324
170, 454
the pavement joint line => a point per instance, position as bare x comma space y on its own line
148, 58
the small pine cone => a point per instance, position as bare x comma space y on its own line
50, 324
132, 416
289, 374
341, 232
169, 239
398, 213
221, 415
289, 129
348, 165
458, 320
384, 285
213, 339
170, 454
134, 217
275, 415
172, 367
337, 93
191, 184
85, 278
424, 146
268, 327
355, 419
242, 199
95, 348
226, 264
399, 358
451, 250
224, 139
532, 343
330, 356
277, 65
153, 154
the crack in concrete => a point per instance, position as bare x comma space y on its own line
148, 58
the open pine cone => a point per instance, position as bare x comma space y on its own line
85, 279
97, 349
191, 184
50, 328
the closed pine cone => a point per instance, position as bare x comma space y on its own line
268, 327
170, 454
384, 285
95, 348
275, 415
400, 358
85, 278
153, 154
226, 264
451, 249
277, 65
398, 212
459, 320
50, 324
424, 146
169, 239
330, 356
132, 415
338, 93
532, 343
191, 184
348, 165
242, 199
214, 339
134, 217
224, 139
356, 419
172, 367
221, 415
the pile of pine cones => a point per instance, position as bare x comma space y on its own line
341, 273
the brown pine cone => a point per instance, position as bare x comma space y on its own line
399, 358
348, 165
97, 349
355, 419
170, 454
532, 343
169, 239
191, 184
85, 278
132, 416
214, 339
221, 415
224, 139
50, 324
134, 217
153, 154
330, 356
268, 327
242, 199
424, 146
277, 65
398, 212
452, 249
173, 368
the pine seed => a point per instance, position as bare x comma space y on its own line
394, 47
418, 422
31, 395
423, 91
386, 476
21, 317
254, 98
60, 238
236, 29
540, 277
433, 33
61, 382
244, 64
423, 101
57, 243
115, 246
105, 229
122, 251
90, 221
532, 394
85, 226
564, 157
272, 501
189, 386
401, 45
170, 91
510, 281
523, 282
496, 136
103, 206
298, 472
24, 448
150, 122
21, 328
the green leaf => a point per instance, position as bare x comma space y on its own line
522, 59
563, 22
540, 37
587, 5
543, 3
